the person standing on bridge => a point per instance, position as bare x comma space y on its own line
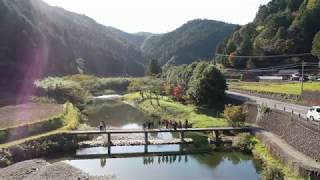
180, 124
101, 125
186, 124
167, 124
174, 125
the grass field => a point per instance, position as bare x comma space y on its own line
281, 88
169, 109
12, 116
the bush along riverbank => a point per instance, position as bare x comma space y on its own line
43, 145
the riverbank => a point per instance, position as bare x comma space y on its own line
170, 109
38, 169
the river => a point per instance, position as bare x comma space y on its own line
198, 161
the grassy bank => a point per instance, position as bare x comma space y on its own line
272, 167
169, 109
279, 88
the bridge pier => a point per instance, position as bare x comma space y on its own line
217, 134
109, 149
146, 148
182, 136
146, 137
109, 139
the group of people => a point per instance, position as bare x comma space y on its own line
168, 124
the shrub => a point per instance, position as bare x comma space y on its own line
272, 172
234, 115
243, 142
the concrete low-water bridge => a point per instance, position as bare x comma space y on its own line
216, 130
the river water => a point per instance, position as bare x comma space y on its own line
198, 161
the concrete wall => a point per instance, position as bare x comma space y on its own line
302, 135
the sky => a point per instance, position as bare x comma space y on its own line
161, 16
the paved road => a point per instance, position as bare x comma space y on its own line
273, 104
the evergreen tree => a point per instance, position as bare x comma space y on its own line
153, 68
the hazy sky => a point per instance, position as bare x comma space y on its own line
159, 16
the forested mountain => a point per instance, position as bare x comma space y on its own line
192, 41
280, 27
37, 40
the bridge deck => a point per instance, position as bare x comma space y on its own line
136, 154
128, 131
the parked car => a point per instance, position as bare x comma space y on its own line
295, 77
314, 113
298, 77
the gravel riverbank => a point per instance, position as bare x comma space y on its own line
39, 169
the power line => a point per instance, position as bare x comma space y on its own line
271, 56
275, 68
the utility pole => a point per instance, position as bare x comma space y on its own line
302, 77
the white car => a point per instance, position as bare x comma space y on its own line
314, 113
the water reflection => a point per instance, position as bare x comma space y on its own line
165, 159
115, 114
213, 164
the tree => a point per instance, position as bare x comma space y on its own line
207, 85
234, 115
316, 45
294, 4
153, 68
178, 92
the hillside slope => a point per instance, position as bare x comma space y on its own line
38, 40
197, 39
280, 27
